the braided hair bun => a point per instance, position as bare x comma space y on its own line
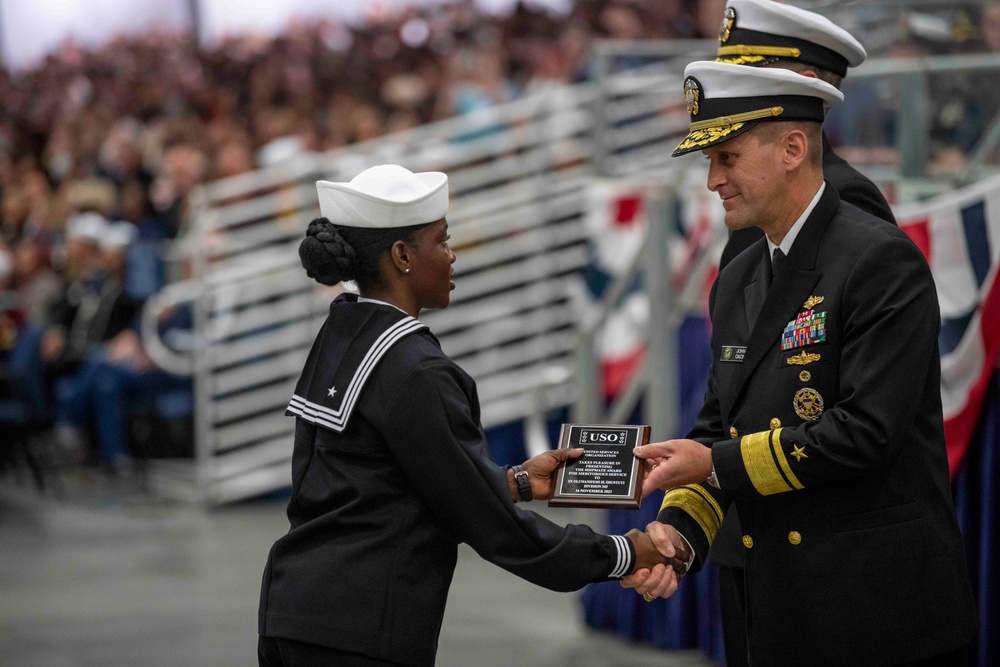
326, 256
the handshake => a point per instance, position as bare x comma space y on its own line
662, 558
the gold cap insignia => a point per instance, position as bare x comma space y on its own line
728, 19
802, 358
812, 301
808, 403
799, 452
692, 93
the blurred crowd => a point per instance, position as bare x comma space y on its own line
100, 148
961, 104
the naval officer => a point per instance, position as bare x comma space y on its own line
764, 33
822, 420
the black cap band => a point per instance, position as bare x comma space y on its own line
793, 107
751, 47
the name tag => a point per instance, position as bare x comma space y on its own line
733, 353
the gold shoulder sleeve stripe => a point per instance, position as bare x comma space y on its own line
766, 464
699, 505
779, 455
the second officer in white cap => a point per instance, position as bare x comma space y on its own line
822, 421
765, 33
390, 468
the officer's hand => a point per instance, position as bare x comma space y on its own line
658, 581
669, 542
674, 463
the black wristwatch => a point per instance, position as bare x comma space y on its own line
523, 484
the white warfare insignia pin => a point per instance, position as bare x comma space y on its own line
728, 19
692, 94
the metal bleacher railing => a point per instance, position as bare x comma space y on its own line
519, 177
519, 323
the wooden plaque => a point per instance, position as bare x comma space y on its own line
608, 475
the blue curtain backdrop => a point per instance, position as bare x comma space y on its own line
691, 618
975, 498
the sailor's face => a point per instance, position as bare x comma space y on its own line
432, 276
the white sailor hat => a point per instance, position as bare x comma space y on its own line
90, 226
119, 235
756, 32
726, 100
385, 196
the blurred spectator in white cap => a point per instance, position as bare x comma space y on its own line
92, 307
114, 247
84, 233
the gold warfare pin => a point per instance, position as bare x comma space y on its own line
803, 358
812, 301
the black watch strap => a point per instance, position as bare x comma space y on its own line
523, 484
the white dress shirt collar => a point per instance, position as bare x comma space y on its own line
786, 243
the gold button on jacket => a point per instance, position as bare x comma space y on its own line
748, 541
733, 433
794, 537
775, 423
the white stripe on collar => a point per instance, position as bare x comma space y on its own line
336, 420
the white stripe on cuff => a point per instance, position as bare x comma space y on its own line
623, 564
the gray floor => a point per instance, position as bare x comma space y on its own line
109, 577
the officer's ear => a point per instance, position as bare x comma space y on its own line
795, 148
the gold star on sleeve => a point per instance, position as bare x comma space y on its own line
799, 453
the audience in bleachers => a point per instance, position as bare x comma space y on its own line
99, 149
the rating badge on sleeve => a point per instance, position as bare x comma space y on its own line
807, 328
